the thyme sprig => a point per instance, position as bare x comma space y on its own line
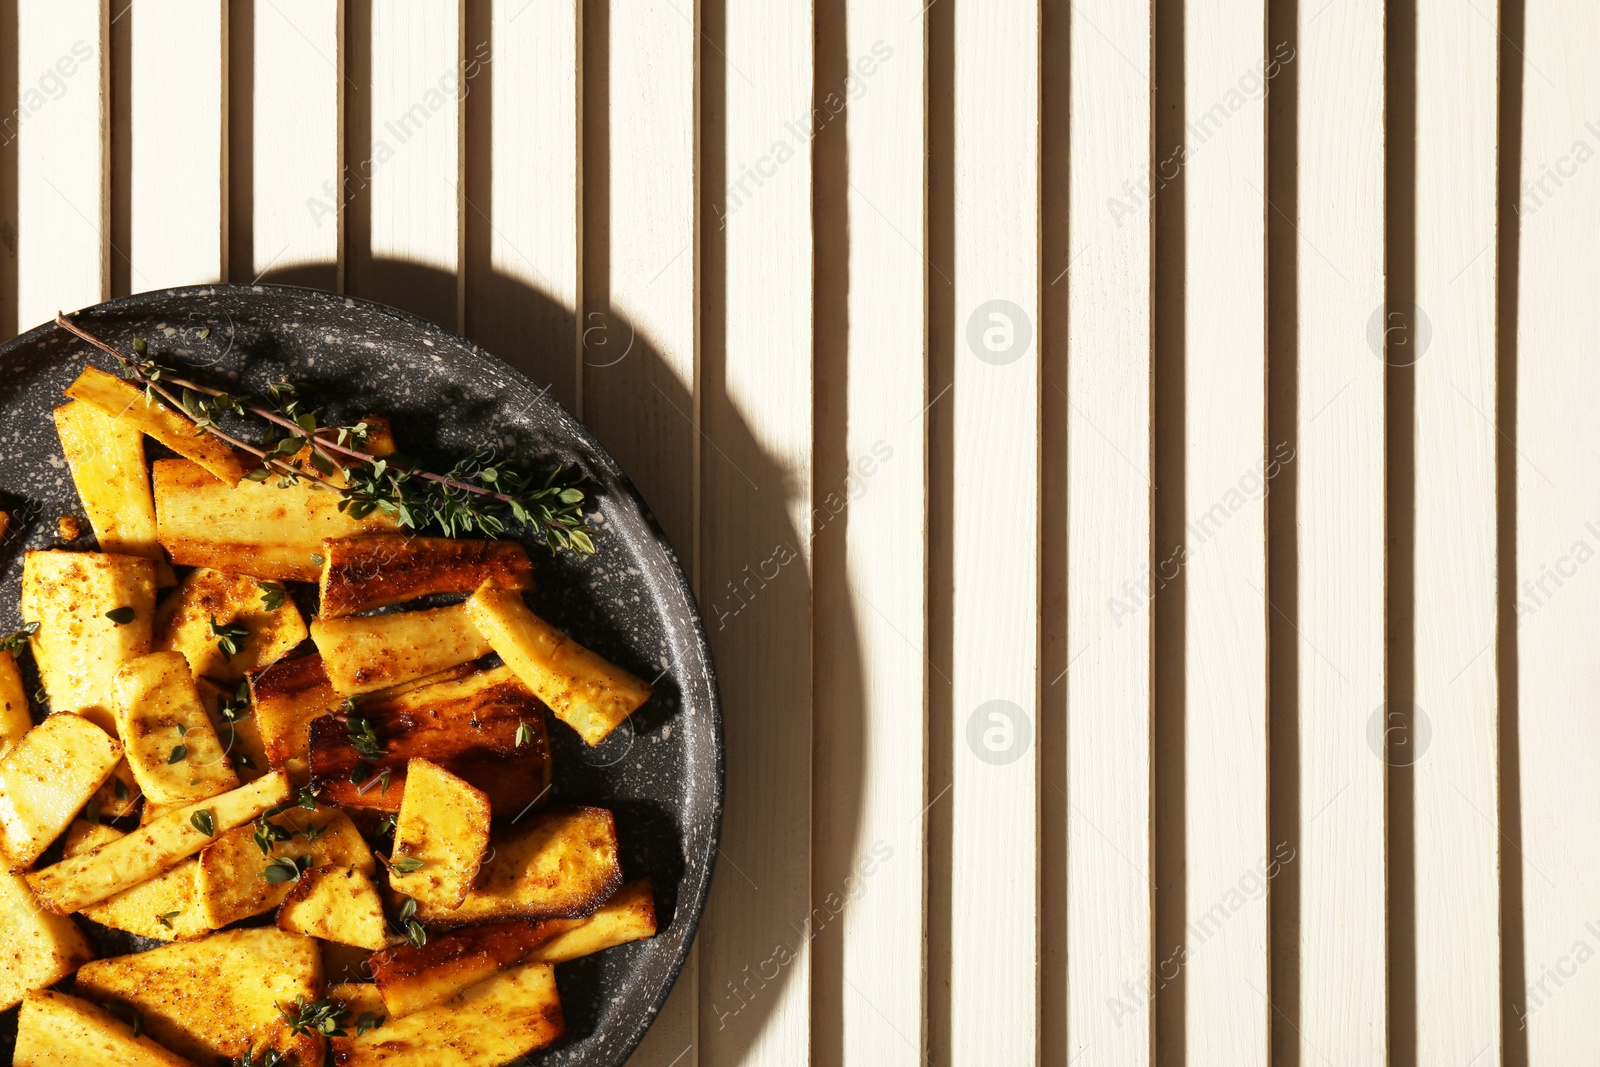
230, 637
314, 1017
479, 494
17, 643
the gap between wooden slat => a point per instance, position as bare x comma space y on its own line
1055, 258
1513, 962
943, 341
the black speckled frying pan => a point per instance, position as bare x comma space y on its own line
446, 398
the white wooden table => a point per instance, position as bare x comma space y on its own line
957, 346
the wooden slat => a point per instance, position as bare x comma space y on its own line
1108, 542
1340, 463
995, 635
178, 100
638, 334
412, 168
1558, 532
1455, 777
756, 404
296, 135
523, 65
1227, 464
639, 342
871, 671
62, 153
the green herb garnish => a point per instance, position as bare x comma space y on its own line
314, 1017
230, 638
18, 642
273, 595
283, 869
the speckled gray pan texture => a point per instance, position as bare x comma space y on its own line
446, 398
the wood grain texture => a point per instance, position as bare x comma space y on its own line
1558, 532
524, 71
61, 133
1456, 678
296, 132
1228, 463
872, 672
995, 635
1109, 556
177, 109
756, 385
412, 168
1340, 461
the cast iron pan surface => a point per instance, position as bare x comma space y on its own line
446, 398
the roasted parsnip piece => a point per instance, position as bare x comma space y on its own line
119, 797
558, 864
583, 690
78, 598
345, 963
286, 697
126, 402
359, 573
235, 723
210, 601
486, 728
628, 916
40, 948
217, 997
336, 904
106, 458
492, 1023
165, 908
55, 1030
238, 879
413, 977
15, 719
45, 779
370, 652
254, 528
440, 837
171, 746
88, 878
